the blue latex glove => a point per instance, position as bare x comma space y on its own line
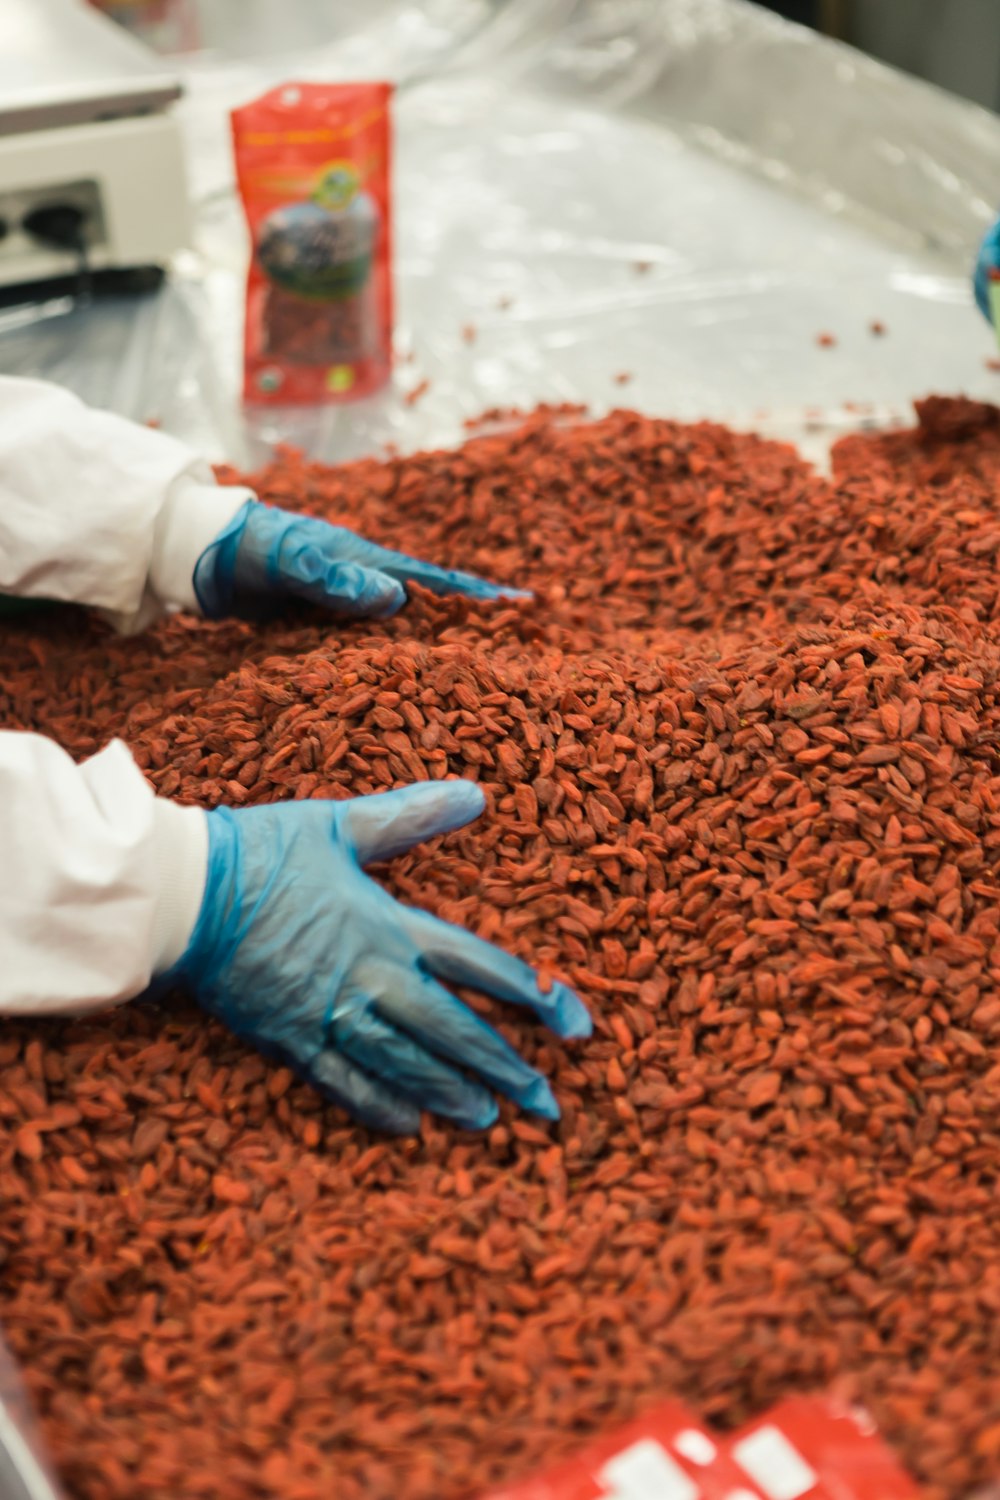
988, 260
298, 951
266, 556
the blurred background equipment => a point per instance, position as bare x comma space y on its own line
953, 43
168, 25
92, 183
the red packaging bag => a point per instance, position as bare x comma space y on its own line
805, 1448
818, 1448
666, 1455
313, 169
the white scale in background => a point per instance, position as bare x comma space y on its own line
91, 166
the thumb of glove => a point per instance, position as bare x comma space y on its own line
389, 823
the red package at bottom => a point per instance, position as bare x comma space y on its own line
666, 1455
312, 163
807, 1448
815, 1447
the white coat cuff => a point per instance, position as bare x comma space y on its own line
192, 516
180, 856
191, 519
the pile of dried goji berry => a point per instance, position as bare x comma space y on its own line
741, 760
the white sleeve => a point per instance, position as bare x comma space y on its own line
101, 882
98, 510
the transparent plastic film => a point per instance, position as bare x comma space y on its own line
686, 206
24, 1471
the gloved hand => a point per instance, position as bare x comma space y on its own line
988, 260
266, 556
302, 954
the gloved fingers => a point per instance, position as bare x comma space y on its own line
449, 580
453, 954
267, 553
388, 823
420, 1006
367, 1099
395, 1059
349, 589
406, 569
988, 260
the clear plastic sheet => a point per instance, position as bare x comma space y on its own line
23, 1472
777, 186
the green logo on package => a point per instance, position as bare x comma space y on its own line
337, 187
340, 378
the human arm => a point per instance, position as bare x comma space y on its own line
987, 263
265, 914
100, 511
102, 880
